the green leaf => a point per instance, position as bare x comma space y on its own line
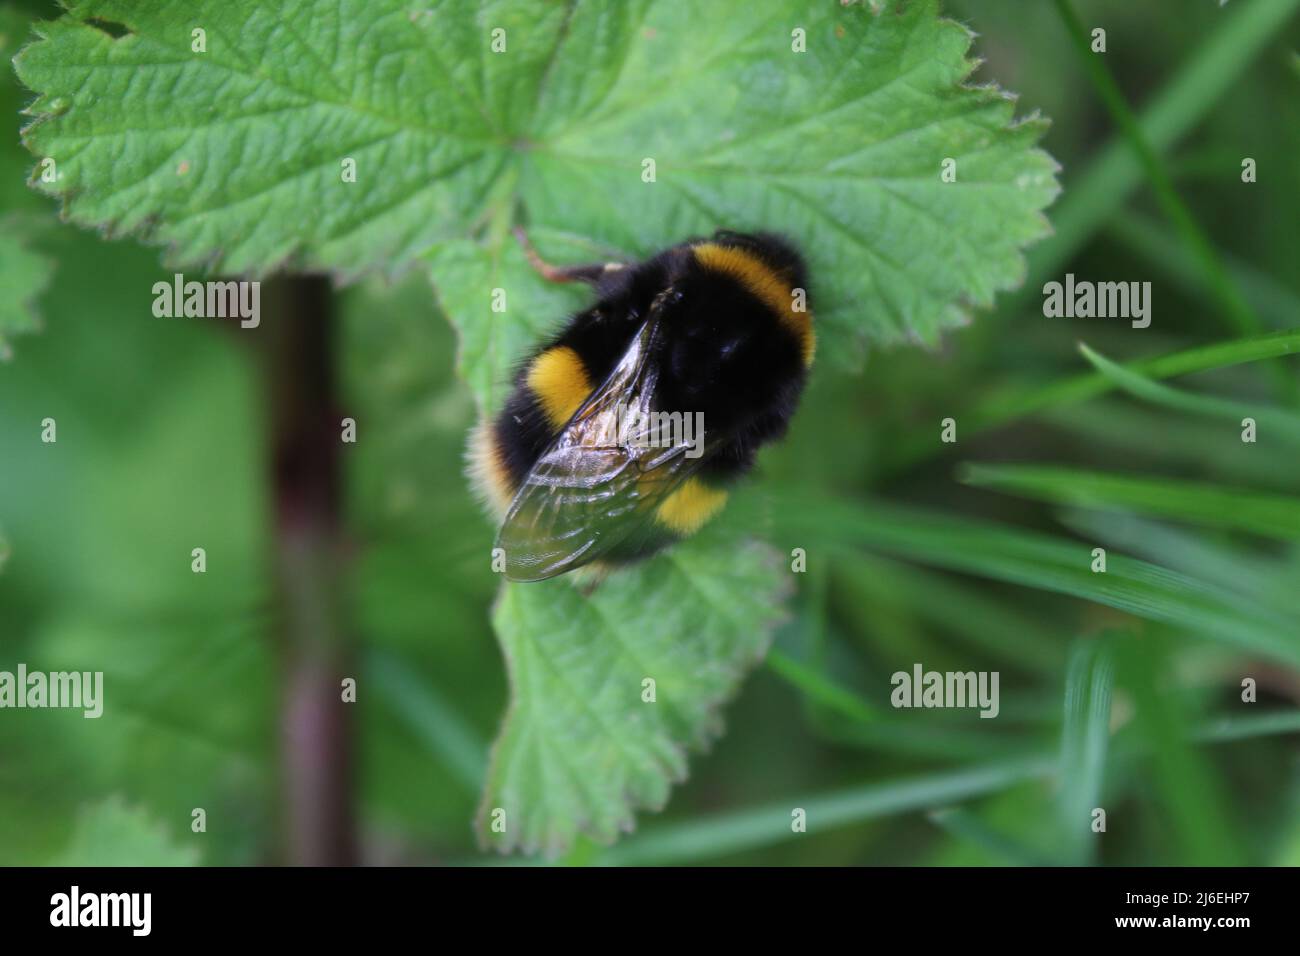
581, 749
15, 162
110, 833
1270, 515
233, 156
491, 343
24, 275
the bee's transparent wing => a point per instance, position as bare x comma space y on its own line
595, 489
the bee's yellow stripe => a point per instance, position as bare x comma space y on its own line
559, 380
687, 508
766, 284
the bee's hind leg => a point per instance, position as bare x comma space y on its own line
591, 274
587, 578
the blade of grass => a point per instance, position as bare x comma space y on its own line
1243, 509
1091, 199
749, 829
1084, 741
1227, 729
735, 832
1269, 419
811, 625
981, 620
434, 721
937, 739
967, 826
1275, 303
1244, 572
1242, 318
820, 689
1014, 403
1119, 430
1089, 385
1188, 792
1039, 561
888, 628
815, 598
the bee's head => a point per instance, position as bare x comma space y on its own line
725, 345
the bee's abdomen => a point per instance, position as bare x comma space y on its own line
691, 506
548, 390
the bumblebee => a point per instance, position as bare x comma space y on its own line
625, 431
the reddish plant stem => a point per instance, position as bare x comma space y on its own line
315, 734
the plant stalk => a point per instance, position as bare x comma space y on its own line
315, 734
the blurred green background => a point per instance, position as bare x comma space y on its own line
162, 436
